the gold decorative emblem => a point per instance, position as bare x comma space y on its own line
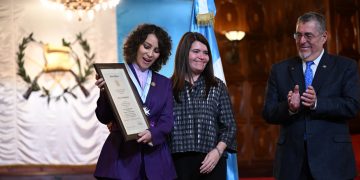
57, 70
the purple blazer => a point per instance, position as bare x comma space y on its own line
131, 160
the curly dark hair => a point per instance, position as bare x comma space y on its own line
139, 35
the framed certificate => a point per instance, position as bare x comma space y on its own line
124, 99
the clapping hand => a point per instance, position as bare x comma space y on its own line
294, 99
308, 98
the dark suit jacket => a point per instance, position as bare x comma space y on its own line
123, 160
329, 148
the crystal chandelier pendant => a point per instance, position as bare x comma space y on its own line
81, 8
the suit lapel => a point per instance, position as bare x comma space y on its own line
322, 71
297, 74
151, 90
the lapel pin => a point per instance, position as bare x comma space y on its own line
153, 84
324, 66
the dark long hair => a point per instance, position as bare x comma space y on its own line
182, 66
139, 35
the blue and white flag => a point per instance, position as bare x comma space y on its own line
207, 9
202, 19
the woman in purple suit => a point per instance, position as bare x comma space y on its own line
148, 158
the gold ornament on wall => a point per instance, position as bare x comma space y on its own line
58, 70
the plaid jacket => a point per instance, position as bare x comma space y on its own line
201, 123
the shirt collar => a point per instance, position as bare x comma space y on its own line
317, 60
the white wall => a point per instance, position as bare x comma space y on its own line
33, 131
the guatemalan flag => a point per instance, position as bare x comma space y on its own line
205, 9
202, 18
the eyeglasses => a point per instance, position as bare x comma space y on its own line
308, 36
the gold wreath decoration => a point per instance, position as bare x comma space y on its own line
81, 77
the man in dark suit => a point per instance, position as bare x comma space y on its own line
312, 97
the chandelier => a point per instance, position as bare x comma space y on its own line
81, 8
229, 21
